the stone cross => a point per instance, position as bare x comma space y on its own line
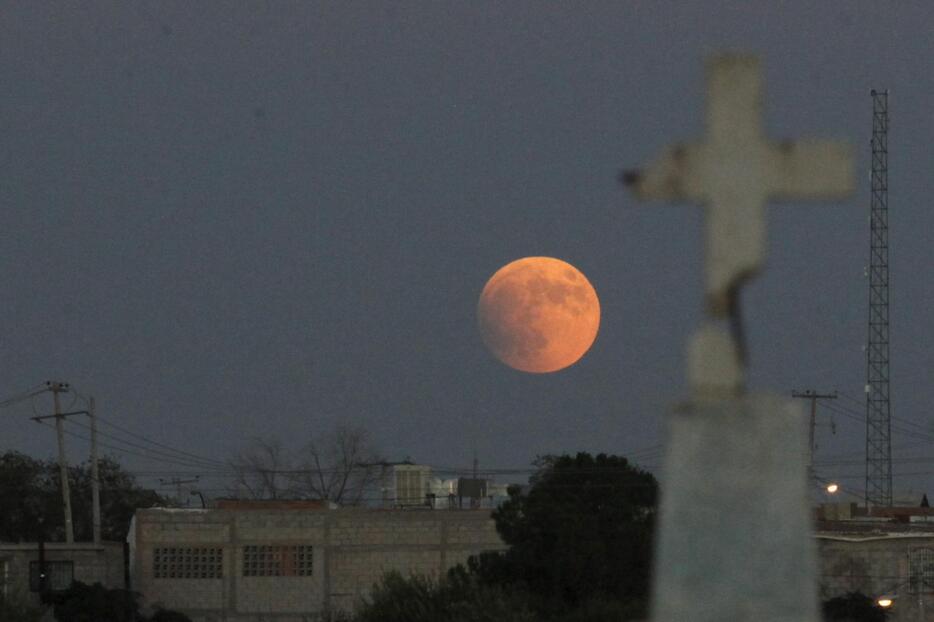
733, 172
734, 527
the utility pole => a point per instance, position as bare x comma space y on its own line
59, 416
813, 395
56, 388
95, 477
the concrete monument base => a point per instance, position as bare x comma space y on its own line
735, 526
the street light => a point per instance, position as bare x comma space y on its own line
885, 601
832, 488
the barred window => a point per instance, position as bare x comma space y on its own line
277, 561
188, 562
59, 576
921, 570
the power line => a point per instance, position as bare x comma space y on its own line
23, 395
125, 451
178, 454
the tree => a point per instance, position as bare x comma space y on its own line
31, 499
583, 533
96, 603
458, 597
17, 608
263, 470
27, 496
580, 546
120, 498
339, 466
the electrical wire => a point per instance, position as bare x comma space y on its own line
23, 396
201, 462
125, 451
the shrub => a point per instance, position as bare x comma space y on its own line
16, 608
853, 607
457, 598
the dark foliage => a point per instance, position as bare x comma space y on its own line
583, 534
15, 608
167, 615
29, 491
580, 546
457, 598
96, 603
853, 607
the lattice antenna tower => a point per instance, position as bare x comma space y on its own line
878, 411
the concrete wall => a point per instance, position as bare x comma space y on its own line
352, 549
876, 565
92, 564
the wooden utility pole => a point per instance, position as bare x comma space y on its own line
56, 388
59, 416
812, 395
95, 477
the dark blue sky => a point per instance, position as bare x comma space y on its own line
268, 218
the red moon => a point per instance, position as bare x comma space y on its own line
538, 314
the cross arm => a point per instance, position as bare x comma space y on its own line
673, 176
811, 169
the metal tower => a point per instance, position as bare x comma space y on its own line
878, 413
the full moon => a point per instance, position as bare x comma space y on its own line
538, 314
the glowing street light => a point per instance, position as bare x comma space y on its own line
885, 601
832, 488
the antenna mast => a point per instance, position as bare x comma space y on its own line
878, 411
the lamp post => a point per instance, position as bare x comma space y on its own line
885, 601
888, 600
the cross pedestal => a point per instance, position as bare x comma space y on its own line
734, 528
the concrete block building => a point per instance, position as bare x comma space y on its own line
291, 561
880, 557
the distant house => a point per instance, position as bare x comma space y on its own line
21, 567
291, 560
889, 552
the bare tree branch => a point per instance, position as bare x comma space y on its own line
339, 466
259, 469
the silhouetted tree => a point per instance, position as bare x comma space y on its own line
458, 597
18, 608
30, 496
339, 466
582, 533
96, 603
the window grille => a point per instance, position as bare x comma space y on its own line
188, 563
921, 570
59, 575
277, 561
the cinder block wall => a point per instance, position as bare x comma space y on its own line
93, 563
352, 549
875, 566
